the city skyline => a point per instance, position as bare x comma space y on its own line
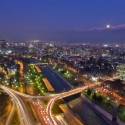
62, 62
63, 21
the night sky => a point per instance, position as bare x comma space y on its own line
63, 20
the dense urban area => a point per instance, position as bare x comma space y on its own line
62, 83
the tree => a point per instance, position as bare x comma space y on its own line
94, 96
118, 81
100, 99
89, 91
2, 75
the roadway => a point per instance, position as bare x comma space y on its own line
45, 114
63, 95
113, 95
61, 120
69, 116
24, 116
11, 114
30, 96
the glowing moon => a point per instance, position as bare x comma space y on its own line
108, 26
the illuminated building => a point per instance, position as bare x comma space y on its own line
3, 43
120, 71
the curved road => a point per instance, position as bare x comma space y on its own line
24, 116
23, 113
11, 114
63, 95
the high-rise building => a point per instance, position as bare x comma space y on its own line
120, 71
3, 43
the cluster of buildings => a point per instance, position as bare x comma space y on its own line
97, 59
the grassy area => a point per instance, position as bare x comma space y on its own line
67, 75
99, 99
56, 109
5, 107
4, 103
105, 102
35, 78
121, 112
46, 102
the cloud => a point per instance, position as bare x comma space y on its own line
122, 26
115, 34
113, 27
